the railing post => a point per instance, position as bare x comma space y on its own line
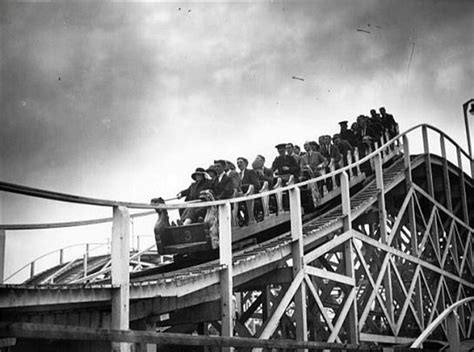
429, 172
3, 248
412, 224
383, 228
225, 259
353, 330
120, 274
452, 322
32, 269
61, 256
298, 263
462, 189
447, 184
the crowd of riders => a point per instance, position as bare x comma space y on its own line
225, 180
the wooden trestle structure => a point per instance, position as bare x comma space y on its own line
377, 269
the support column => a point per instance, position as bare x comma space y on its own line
412, 224
352, 327
447, 184
429, 173
383, 231
462, 190
3, 253
225, 259
120, 274
298, 264
452, 322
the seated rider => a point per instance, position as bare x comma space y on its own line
201, 182
285, 165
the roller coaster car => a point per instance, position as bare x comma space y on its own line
186, 239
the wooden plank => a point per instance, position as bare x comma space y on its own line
225, 259
3, 253
298, 263
120, 273
446, 183
429, 172
61, 332
323, 249
385, 339
462, 182
325, 274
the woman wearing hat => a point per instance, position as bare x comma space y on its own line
201, 182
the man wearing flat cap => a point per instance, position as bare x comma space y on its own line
347, 134
285, 165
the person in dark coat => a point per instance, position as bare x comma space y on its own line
344, 147
347, 134
247, 176
201, 182
285, 165
264, 173
222, 186
389, 123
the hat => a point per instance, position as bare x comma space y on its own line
199, 171
337, 135
281, 146
367, 139
343, 122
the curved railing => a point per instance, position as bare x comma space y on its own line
379, 152
60, 253
435, 323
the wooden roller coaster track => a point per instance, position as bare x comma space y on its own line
377, 267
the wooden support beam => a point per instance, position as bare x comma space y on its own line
62, 332
352, 324
383, 230
446, 183
298, 263
429, 172
120, 273
225, 259
3, 253
462, 182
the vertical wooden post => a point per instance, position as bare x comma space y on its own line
225, 259
462, 190
3, 252
429, 173
383, 229
298, 263
412, 224
353, 333
120, 274
447, 184
453, 332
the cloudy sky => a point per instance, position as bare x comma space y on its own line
124, 100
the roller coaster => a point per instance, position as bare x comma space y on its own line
382, 259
